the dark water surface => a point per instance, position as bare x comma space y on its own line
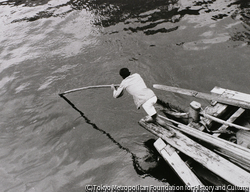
47, 47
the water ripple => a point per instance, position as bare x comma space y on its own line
50, 46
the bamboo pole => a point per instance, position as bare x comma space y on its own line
88, 87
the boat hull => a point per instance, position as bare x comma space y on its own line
212, 161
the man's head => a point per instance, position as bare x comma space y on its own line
124, 72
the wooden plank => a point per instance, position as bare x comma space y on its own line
224, 122
231, 94
178, 165
212, 161
217, 110
243, 138
233, 117
231, 101
206, 175
234, 152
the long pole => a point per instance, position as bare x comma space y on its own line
88, 87
224, 100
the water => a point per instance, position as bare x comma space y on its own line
48, 143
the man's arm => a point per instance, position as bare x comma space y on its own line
117, 92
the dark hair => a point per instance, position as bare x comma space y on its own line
124, 72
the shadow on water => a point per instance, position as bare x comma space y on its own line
160, 170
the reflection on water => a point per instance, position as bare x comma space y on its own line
49, 46
150, 17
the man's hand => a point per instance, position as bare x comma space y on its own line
113, 87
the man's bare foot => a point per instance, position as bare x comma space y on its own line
149, 119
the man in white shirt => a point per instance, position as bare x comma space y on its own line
142, 95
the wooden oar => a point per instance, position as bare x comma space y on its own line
206, 96
88, 87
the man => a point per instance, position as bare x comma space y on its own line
142, 95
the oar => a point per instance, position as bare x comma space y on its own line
88, 87
228, 101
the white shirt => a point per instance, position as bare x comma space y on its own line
136, 87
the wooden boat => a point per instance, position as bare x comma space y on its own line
212, 161
208, 146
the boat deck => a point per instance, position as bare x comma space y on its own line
229, 114
219, 140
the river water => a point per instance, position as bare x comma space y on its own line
49, 143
